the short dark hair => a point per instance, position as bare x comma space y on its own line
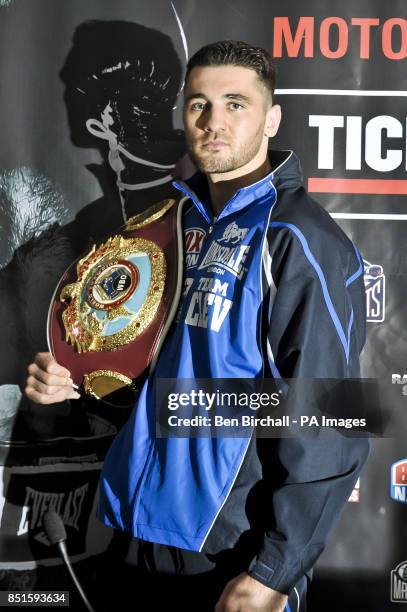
236, 53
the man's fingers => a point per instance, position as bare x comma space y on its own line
47, 363
48, 378
61, 395
48, 382
73, 395
41, 398
45, 389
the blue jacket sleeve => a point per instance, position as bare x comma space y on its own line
316, 330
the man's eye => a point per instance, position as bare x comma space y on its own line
235, 106
198, 106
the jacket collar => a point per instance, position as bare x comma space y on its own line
286, 172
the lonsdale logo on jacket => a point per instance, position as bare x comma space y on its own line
230, 258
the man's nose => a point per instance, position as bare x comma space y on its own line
213, 120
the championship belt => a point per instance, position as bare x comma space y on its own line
112, 308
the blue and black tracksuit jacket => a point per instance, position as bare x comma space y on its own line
285, 298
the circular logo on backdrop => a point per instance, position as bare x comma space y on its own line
112, 284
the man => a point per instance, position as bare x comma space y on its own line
273, 289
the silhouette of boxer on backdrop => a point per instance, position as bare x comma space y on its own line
121, 84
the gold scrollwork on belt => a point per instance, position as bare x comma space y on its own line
107, 279
101, 383
153, 213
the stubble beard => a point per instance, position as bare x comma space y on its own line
209, 162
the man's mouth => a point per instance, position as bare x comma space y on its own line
214, 145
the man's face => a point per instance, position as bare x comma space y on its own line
227, 117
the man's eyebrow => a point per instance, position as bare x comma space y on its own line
192, 96
238, 96
232, 96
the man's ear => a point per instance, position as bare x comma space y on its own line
273, 118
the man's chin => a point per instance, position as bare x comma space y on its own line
214, 168
212, 165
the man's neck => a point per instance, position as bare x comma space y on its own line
222, 190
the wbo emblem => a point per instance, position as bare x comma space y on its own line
375, 292
116, 295
112, 284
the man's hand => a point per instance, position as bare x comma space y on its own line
48, 382
246, 594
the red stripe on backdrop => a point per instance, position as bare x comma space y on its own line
340, 185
